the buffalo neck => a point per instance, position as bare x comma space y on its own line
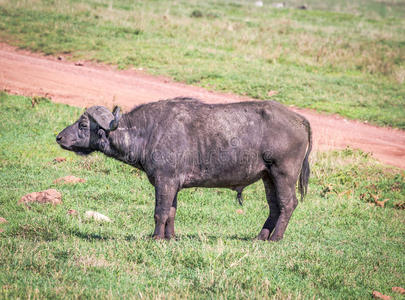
126, 144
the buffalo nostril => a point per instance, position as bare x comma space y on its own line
58, 138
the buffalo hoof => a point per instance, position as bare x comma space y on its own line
157, 237
169, 237
263, 235
274, 238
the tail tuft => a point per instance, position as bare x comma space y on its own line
305, 170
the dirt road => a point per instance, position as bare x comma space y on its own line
85, 84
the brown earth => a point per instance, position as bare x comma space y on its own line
85, 83
69, 179
50, 196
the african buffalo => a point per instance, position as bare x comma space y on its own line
183, 142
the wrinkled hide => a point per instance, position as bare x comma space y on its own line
183, 143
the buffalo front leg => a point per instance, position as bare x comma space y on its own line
274, 213
165, 193
169, 229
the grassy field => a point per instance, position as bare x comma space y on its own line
338, 244
345, 57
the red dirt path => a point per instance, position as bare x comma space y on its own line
22, 72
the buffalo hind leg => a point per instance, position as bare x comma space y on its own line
165, 192
284, 182
169, 230
271, 197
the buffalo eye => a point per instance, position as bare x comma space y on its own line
82, 125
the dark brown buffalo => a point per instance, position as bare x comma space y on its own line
183, 142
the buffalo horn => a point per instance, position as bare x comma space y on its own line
114, 122
101, 115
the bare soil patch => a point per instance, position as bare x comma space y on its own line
69, 179
50, 196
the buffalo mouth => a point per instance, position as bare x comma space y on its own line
77, 150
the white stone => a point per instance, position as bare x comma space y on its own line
279, 5
259, 3
96, 216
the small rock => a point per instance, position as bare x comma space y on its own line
59, 159
69, 179
259, 3
398, 289
51, 196
2, 220
60, 58
278, 5
96, 216
378, 295
272, 93
79, 64
303, 7
240, 211
72, 212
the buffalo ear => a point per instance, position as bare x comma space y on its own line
101, 115
117, 116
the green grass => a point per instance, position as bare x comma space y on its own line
345, 57
338, 244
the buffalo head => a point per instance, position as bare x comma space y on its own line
90, 131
